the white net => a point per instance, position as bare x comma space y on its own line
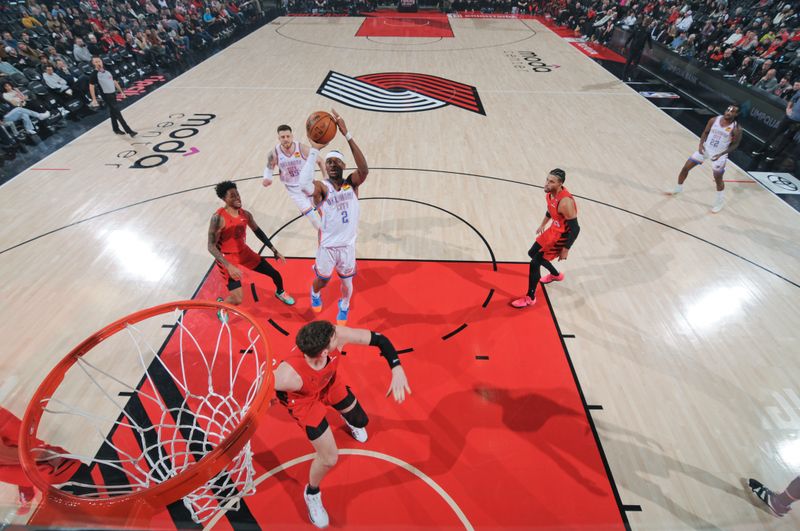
195, 390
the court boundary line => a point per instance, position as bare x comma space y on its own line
363, 453
587, 411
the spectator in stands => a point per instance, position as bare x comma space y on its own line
19, 112
685, 22
79, 84
57, 83
769, 81
784, 88
81, 52
759, 72
728, 63
734, 37
29, 21
688, 47
678, 41
789, 124
93, 45
30, 54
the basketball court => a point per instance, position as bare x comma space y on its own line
637, 393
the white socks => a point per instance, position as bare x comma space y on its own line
347, 292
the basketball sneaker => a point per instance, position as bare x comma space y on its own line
222, 315
316, 511
285, 298
316, 301
341, 317
547, 279
675, 191
717, 206
767, 496
359, 434
523, 302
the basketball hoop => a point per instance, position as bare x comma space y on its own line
183, 432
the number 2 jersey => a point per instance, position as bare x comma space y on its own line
339, 213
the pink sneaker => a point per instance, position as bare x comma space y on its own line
523, 302
547, 279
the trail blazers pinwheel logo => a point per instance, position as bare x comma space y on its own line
399, 92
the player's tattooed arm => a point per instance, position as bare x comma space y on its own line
214, 230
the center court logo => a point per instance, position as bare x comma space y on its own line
400, 92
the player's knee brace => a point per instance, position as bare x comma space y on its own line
356, 417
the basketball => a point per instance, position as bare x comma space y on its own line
321, 127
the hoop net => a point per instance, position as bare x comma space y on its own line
181, 430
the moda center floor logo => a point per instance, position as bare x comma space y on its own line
529, 61
400, 92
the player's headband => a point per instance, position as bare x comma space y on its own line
335, 155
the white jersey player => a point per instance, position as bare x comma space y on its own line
290, 156
720, 137
337, 200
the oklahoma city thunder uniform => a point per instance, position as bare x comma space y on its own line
719, 138
337, 244
320, 389
553, 239
289, 167
232, 244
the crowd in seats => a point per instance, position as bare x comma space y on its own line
47, 47
755, 42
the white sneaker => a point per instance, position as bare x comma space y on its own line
717, 206
44, 115
675, 191
316, 512
359, 434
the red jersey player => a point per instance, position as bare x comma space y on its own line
307, 384
226, 243
555, 240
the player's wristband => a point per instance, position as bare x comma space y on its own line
348, 136
387, 349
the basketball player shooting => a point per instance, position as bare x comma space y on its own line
720, 137
289, 156
553, 241
307, 384
336, 198
227, 244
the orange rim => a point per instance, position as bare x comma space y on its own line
175, 487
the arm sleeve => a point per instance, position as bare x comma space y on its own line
574, 229
387, 349
307, 173
263, 237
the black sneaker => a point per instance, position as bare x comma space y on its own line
757, 153
765, 495
770, 158
133, 134
119, 132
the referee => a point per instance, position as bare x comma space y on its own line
108, 88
